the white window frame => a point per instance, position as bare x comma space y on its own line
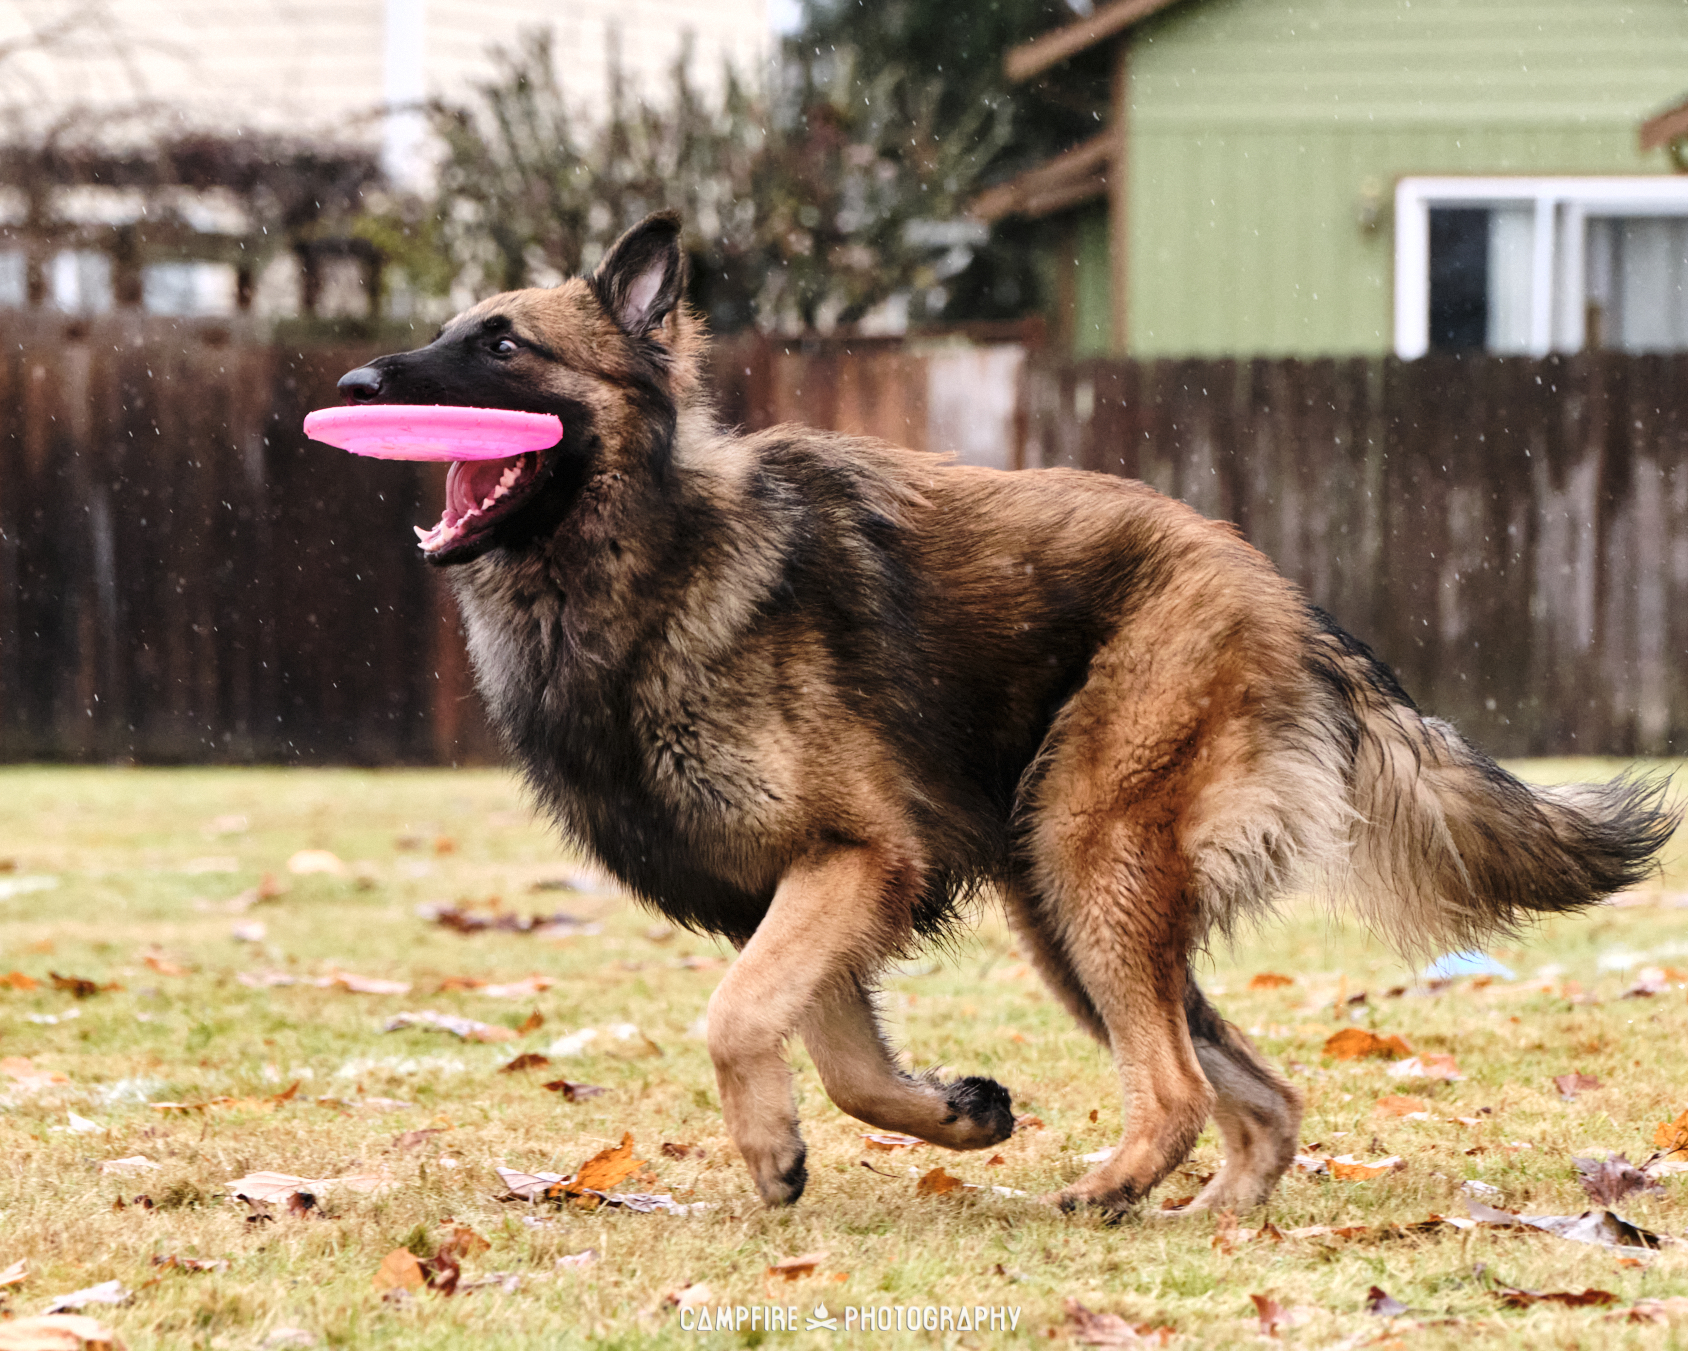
1557, 280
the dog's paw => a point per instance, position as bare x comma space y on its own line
780, 1181
980, 1113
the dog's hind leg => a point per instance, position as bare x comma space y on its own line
856, 1065
1259, 1114
1036, 935
832, 916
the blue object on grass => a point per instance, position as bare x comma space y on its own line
1452, 965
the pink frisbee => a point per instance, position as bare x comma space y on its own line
406, 431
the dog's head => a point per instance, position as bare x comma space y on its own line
614, 356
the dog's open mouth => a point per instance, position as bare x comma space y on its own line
479, 494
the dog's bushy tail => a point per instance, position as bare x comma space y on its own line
1449, 849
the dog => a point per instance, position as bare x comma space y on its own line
815, 693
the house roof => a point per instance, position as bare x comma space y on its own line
1052, 48
1666, 127
1074, 176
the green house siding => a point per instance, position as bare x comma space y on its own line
1262, 131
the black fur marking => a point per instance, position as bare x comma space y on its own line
795, 1178
984, 1102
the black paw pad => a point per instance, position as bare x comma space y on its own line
985, 1102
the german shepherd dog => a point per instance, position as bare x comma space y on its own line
812, 692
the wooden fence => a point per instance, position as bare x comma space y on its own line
1510, 534
183, 577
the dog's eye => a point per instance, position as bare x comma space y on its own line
505, 347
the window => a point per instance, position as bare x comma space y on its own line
1538, 265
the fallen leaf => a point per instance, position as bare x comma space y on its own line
937, 1183
22, 1071
573, 1092
1514, 1298
1355, 1043
1600, 1227
415, 1138
687, 1297
525, 988
529, 1186
467, 1028
890, 1140
178, 1263
80, 986
355, 984
1269, 980
400, 1270
1426, 1067
1226, 1235
1382, 1304
1610, 1181
1109, 1329
671, 1150
16, 980
1027, 1123
308, 861
58, 1332
580, 1260
106, 1292
163, 965
1653, 1310
1569, 1085
442, 1271
1270, 1313
15, 1274
608, 1167
282, 1187
995, 1161
531, 1060
1655, 980
249, 931
1400, 1106
1347, 1168
1669, 1136
461, 1241
532, 1023
793, 1268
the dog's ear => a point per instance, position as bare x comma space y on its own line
643, 275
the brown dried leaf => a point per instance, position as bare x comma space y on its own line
890, 1140
608, 1167
461, 1241
21, 1069
412, 1139
16, 980
1355, 1043
671, 1150
1514, 1298
1350, 1169
399, 1270
1569, 1085
80, 986
163, 965
1610, 1181
1670, 1136
1382, 1304
573, 1092
1225, 1233
15, 1274
1653, 1310
1027, 1123
1269, 980
58, 1332
1272, 1315
938, 1183
1399, 1106
532, 1023
1109, 1329
355, 984
442, 1272
531, 1060
794, 1267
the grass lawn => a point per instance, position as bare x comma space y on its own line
133, 880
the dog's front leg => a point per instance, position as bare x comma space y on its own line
832, 916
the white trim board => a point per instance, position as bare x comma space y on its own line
1562, 208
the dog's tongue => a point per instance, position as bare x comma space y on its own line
470, 482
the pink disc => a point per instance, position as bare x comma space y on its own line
406, 431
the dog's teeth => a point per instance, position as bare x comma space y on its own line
421, 534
